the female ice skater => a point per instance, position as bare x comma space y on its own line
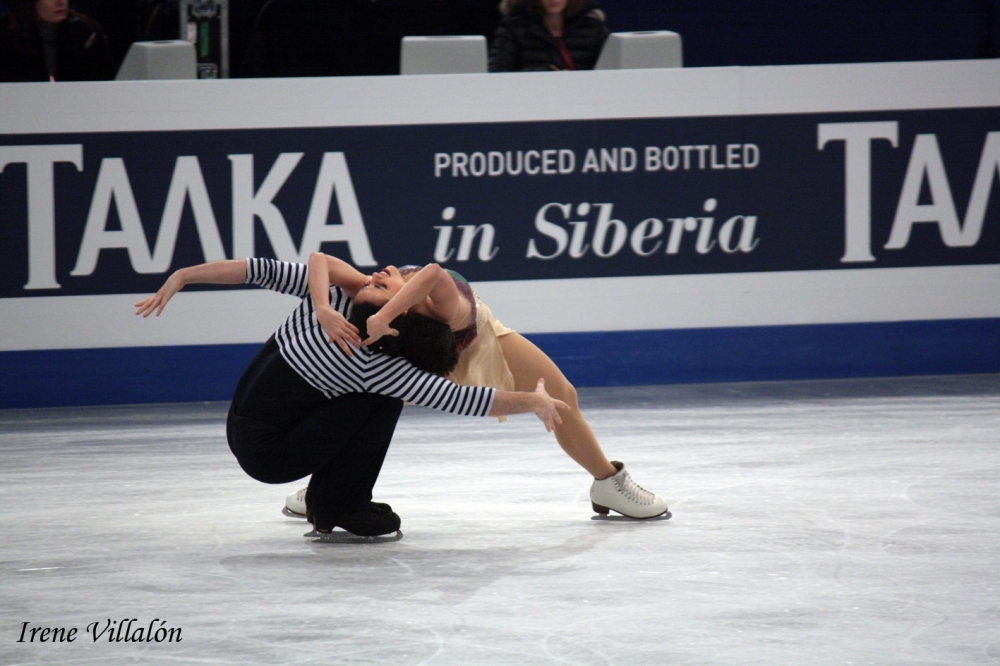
306, 406
491, 355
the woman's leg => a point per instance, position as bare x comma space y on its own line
527, 363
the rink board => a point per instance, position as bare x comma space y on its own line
641, 226
210, 372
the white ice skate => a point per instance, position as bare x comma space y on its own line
295, 504
621, 494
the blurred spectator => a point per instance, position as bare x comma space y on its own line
547, 35
45, 40
122, 23
315, 38
343, 37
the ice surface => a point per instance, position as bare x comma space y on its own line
834, 522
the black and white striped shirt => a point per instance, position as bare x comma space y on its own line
307, 349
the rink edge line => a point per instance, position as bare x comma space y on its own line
133, 375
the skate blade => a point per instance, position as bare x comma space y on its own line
347, 537
292, 514
666, 515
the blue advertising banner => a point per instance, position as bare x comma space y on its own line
115, 212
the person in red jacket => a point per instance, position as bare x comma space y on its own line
547, 35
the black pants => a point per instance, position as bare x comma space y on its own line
282, 429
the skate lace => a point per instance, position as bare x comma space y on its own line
301, 494
633, 490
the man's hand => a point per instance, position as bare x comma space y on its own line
547, 408
340, 331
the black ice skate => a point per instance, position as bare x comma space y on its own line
372, 524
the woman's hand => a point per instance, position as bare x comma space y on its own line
224, 271
547, 408
340, 331
378, 328
159, 300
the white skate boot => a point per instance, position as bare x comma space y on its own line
295, 504
621, 494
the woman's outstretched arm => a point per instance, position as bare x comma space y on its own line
227, 271
338, 273
324, 271
435, 289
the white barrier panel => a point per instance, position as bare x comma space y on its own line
649, 201
538, 306
34, 108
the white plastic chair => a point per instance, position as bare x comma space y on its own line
166, 59
641, 50
461, 54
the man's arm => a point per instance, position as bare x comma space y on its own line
545, 407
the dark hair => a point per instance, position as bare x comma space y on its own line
537, 10
426, 343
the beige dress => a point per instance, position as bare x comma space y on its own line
481, 361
